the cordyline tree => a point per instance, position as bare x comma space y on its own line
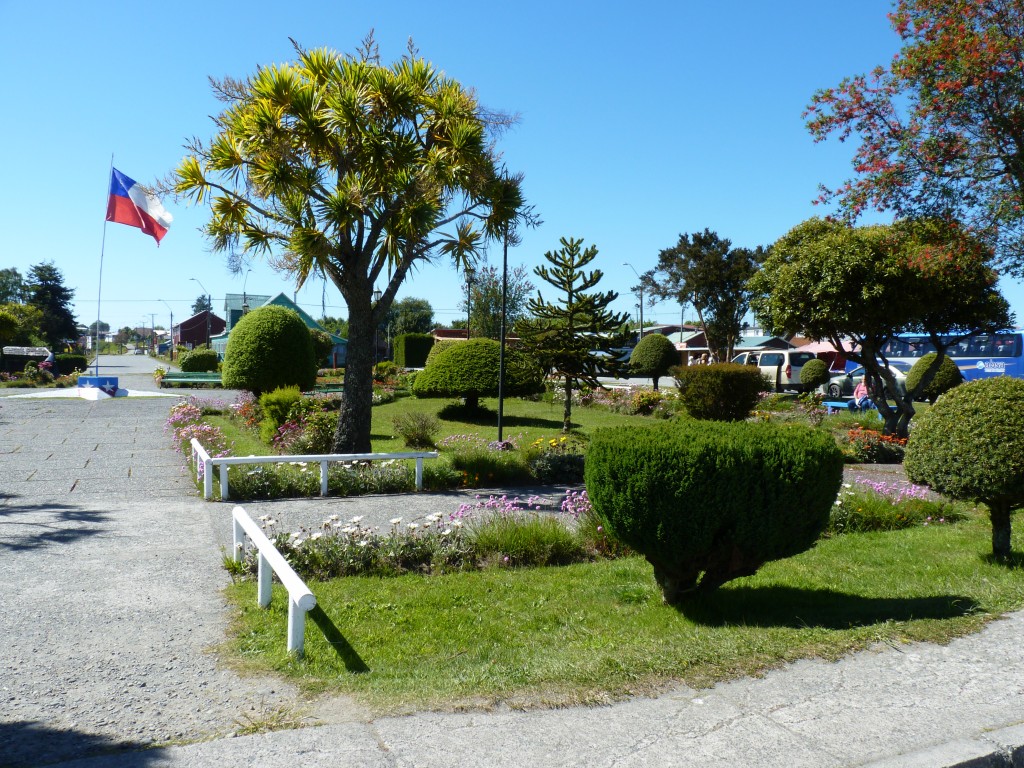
941, 128
865, 285
343, 168
705, 270
564, 335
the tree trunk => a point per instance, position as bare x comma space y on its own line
567, 411
999, 513
353, 433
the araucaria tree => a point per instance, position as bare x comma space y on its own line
705, 270
941, 128
343, 168
565, 334
857, 287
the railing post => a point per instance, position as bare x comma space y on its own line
296, 627
419, 473
264, 573
323, 478
223, 482
207, 479
239, 539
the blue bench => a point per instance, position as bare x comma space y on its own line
832, 406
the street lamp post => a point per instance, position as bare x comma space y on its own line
640, 288
209, 309
170, 347
470, 274
376, 328
245, 298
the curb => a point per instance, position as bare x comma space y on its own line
1002, 748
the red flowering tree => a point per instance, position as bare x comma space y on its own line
941, 128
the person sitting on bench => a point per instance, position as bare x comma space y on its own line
861, 396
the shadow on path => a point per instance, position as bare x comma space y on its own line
775, 606
31, 526
26, 743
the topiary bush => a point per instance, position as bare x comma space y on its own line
411, 349
720, 392
323, 344
69, 363
813, 374
269, 348
947, 377
469, 369
970, 446
439, 347
706, 503
653, 356
199, 360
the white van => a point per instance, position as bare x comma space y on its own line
780, 366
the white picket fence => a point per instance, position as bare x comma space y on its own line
270, 561
204, 464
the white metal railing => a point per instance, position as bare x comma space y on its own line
205, 463
270, 561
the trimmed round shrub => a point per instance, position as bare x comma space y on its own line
813, 374
438, 348
653, 356
322, 346
69, 363
707, 503
199, 360
970, 446
947, 377
469, 369
269, 348
720, 392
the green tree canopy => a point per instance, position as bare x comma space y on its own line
410, 315
12, 286
569, 334
46, 292
864, 285
344, 168
939, 129
469, 369
486, 294
705, 270
202, 304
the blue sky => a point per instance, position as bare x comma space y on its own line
638, 123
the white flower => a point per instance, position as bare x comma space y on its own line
413, 526
349, 529
296, 534
847, 485
456, 523
316, 535
332, 518
446, 531
356, 519
363, 543
396, 520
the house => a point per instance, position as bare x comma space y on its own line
238, 304
197, 329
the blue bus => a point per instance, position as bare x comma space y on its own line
977, 357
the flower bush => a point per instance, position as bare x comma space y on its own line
889, 505
869, 446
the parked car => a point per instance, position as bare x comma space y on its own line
842, 384
780, 366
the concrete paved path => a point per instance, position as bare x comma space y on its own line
111, 615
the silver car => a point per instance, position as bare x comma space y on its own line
843, 384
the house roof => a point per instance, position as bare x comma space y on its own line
281, 300
747, 343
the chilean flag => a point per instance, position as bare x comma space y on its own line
130, 204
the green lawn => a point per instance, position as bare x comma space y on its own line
530, 419
597, 631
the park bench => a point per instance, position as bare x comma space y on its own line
190, 377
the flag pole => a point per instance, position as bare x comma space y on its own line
103, 246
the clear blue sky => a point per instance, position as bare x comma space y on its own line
638, 122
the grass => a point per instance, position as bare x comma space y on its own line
594, 632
